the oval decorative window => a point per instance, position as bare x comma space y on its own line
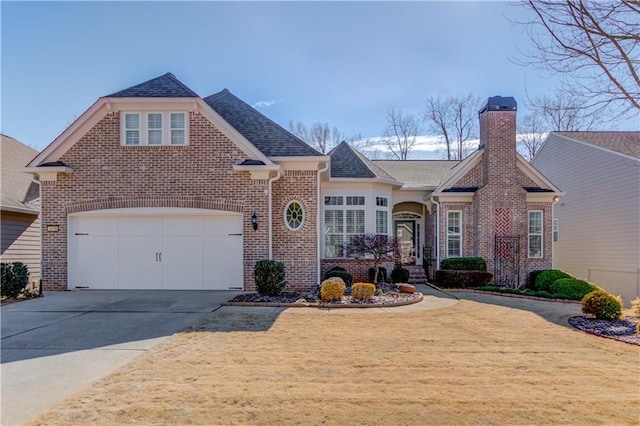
294, 215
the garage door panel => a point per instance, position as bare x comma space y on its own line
155, 251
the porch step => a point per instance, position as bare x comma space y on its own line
416, 274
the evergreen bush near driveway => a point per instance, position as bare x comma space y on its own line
573, 288
269, 277
14, 278
463, 279
602, 305
464, 264
546, 278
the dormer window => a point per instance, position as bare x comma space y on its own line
154, 128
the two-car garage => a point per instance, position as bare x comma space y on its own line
155, 248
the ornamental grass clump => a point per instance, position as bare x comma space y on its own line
363, 291
635, 305
602, 305
332, 289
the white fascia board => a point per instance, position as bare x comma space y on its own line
453, 197
23, 210
71, 134
48, 173
471, 162
543, 197
258, 171
229, 131
301, 163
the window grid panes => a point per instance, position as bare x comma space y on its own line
535, 233
556, 230
294, 215
382, 201
177, 129
132, 129
355, 201
382, 222
454, 234
154, 126
333, 233
333, 201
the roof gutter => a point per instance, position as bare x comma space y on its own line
318, 223
433, 200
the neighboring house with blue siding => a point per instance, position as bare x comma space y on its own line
597, 223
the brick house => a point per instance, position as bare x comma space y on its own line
156, 187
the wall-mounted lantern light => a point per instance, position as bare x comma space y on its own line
254, 221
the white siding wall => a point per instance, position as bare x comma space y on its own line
599, 216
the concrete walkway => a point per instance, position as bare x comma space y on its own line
57, 345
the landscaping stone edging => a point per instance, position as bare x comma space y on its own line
518, 296
326, 305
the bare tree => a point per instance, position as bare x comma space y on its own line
593, 46
565, 112
299, 129
454, 118
378, 247
401, 133
531, 134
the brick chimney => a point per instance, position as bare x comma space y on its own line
498, 137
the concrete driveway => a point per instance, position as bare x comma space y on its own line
58, 344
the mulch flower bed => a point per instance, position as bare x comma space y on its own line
623, 330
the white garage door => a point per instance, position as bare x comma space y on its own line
146, 251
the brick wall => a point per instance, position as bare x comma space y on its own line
108, 175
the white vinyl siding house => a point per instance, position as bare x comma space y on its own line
598, 221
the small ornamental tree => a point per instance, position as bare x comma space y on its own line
379, 248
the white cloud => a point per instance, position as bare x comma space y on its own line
263, 104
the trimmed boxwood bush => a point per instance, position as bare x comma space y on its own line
14, 278
602, 305
573, 288
340, 273
382, 271
332, 289
464, 264
545, 278
363, 291
463, 279
400, 275
269, 277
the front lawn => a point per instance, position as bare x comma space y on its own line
485, 360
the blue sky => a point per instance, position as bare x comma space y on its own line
344, 63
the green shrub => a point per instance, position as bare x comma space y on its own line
400, 275
269, 277
531, 281
332, 289
382, 272
602, 305
573, 288
546, 278
464, 264
340, 273
463, 279
14, 278
363, 291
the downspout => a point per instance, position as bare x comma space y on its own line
319, 222
269, 189
433, 200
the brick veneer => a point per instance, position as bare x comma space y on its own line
107, 175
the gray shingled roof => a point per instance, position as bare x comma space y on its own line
269, 137
348, 162
18, 187
624, 142
165, 86
418, 173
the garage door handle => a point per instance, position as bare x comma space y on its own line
160, 256
237, 234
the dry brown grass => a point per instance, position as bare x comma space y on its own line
473, 363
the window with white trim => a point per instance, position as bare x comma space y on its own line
154, 128
344, 218
382, 222
556, 230
382, 201
535, 234
454, 233
294, 215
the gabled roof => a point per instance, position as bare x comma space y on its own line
18, 188
348, 162
165, 86
265, 134
627, 143
418, 174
